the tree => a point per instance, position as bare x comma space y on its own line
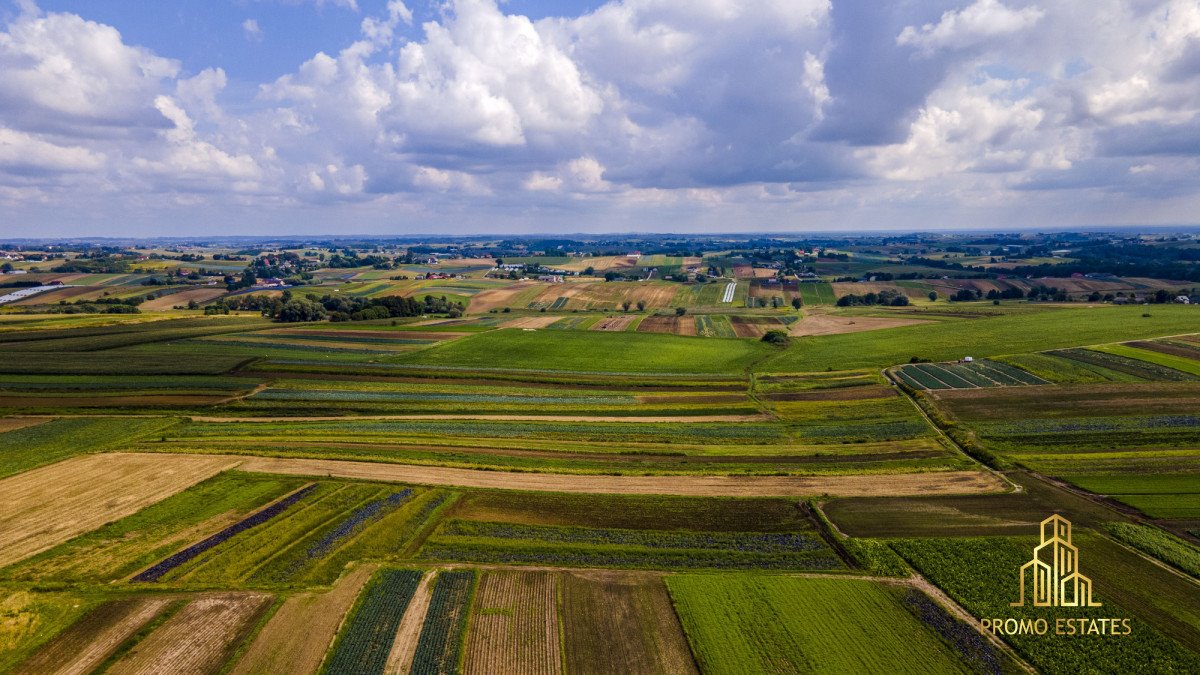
625, 305
680, 311
6, 267
797, 303
777, 337
933, 296
301, 309
641, 305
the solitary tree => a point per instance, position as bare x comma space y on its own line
625, 305
796, 303
933, 296
680, 311
641, 305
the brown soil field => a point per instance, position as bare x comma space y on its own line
297, 637
764, 273
838, 394
703, 398
503, 418
746, 327
169, 301
530, 321
599, 263
408, 634
111, 401
49, 505
600, 294
743, 272
815, 323
930, 483
674, 325
88, 642
51, 297
619, 622
1124, 398
1161, 347
859, 288
514, 626
374, 334
199, 639
613, 323
497, 298
14, 423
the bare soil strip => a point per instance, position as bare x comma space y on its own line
497, 298
14, 423
47, 506
815, 323
499, 418
530, 322
409, 633
613, 323
200, 295
297, 637
514, 625
92, 639
930, 483
198, 639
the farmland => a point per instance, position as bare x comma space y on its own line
545, 479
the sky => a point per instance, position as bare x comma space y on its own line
277, 117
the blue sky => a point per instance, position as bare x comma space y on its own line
383, 116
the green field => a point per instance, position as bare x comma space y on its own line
592, 352
746, 623
1031, 332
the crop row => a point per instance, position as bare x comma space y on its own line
442, 636
356, 522
536, 553
366, 640
155, 572
427, 397
747, 542
1140, 369
982, 575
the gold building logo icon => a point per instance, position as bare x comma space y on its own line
1054, 578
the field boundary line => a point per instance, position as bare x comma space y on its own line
921, 483
1013, 487
408, 633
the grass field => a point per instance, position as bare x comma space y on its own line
744, 623
1015, 334
592, 351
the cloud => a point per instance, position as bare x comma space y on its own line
252, 31
712, 113
23, 153
971, 25
61, 73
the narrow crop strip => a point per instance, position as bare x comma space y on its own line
175, 560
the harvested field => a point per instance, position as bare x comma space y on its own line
497, 298
931, 483
351, 334
815, 323
51, 297
530, 321
613, 323
181, 299
515, 625
409, 633
502, 418
199, 639
50, 505
93, 401
298, 635
753, 327
615, 622
676, 325
92, 639
14, 423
